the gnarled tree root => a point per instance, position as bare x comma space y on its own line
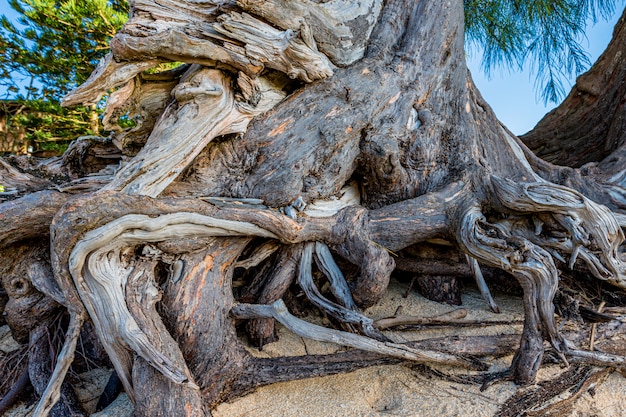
90, 253
516, 244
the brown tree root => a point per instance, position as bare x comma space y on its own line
14, 368
275, 282
155, 275
537, 400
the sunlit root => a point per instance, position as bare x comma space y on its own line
339, 28
237, 40
591, 231
279, 311
206, 107
108, 75
99, 269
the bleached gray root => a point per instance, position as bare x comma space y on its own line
63, 362
278, 310
205, 107
482, 285
593, 232
100, 267
340, 312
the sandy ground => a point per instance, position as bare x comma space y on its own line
385, 390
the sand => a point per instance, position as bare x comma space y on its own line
384, 390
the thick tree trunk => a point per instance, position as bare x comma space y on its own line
339, 134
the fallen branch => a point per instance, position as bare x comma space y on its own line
278, 310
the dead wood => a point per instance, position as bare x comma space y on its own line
535, 401
301, 152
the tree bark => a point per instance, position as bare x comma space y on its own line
306, 145
589, 125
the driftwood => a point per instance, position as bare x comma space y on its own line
297, 157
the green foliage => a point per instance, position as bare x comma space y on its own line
56, 44
48, 125
54, 48
60, 41
545, 33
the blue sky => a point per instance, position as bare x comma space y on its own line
512, 94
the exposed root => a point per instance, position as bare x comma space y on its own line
538, 400
278, 310
338, 286
482, 285
206, 107
534, 269
343, 314
53, 391
452, 317
374, 261
592, 231
100, 272
261, 253
598, 358
547, 216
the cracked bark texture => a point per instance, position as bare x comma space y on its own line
302, 145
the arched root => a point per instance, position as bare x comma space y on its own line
338, 286
374, 260
592, 231
347, 315
101, 270
534, 269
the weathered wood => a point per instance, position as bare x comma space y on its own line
16, 182
237, 40
27, 307
342, 313
205, 108
534, 269
142, 99
404, 320
53, 386
339, 28
279, 311
533, 401
29, 217
12, 396
398, 142
108, 75
142, 294
281, 276
207, 282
